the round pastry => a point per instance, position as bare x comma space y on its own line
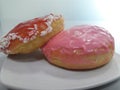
81, 47
30, 35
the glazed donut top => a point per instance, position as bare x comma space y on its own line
87, 38
28, 30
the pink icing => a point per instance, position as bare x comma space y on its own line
90, 39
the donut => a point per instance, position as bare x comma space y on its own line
81, 47
32, 34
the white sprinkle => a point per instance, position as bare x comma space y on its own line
36, 33
43, 33
4, 43
25, 40
49, 29
35, 26
12, 36
50, 18
57, 17
31, 28
31, 33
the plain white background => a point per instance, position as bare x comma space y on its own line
13, 12
72, 9
104, 13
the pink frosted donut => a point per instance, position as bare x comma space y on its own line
81, 47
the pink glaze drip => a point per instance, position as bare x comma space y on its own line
84, 37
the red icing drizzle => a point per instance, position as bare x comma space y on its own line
28, 30
24, 29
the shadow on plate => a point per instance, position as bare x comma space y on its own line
34, 56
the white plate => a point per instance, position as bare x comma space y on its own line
33, 72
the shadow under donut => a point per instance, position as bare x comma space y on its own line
34, 56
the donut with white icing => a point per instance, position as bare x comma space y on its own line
81, 47
30, 35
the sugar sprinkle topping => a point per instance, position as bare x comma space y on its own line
49, 19
5, 41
